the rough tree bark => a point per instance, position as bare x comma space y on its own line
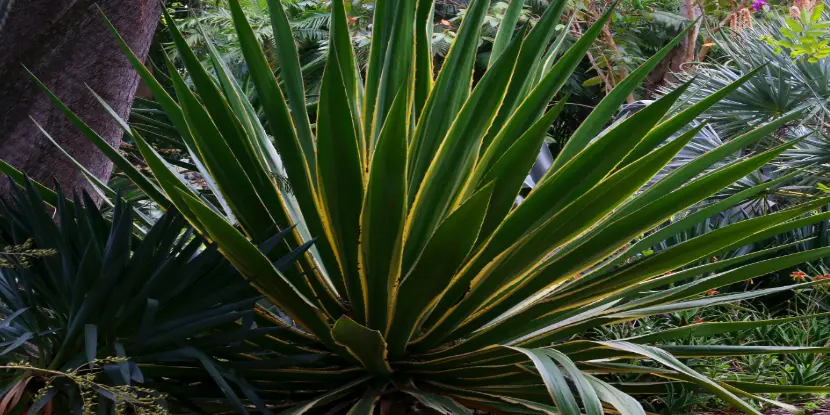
683, 54
67, 44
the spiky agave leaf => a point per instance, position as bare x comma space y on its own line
141, 314
425, 270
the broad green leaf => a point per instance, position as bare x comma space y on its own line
444, 253
366, 345
384, 212
447, 96
340, 181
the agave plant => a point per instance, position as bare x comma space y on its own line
427, 281
94, 316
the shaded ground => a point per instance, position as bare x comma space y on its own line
823, 409
820, 407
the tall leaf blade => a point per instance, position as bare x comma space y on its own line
454, 161
384, 212
340, 180
292, 78
447, 96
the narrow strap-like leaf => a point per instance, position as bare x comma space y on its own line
624, 403
534, 104
397, 66
423, 55
527, 64
668, 360
507, 28
326, 397
119, 160
609, 105
554, 380
290, 149
292, 78
341, 54
558, 229
255, 266
590, 400
511, 169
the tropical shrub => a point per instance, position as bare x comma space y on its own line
94, 317
426, 279
785, 81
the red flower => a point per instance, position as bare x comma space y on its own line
711, 292
799, 276
823, 277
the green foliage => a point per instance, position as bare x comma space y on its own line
113, 321
805, 37
427, 278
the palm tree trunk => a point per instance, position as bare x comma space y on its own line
679, 59
67, 45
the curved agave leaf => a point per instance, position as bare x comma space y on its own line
426, 264
100, 293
